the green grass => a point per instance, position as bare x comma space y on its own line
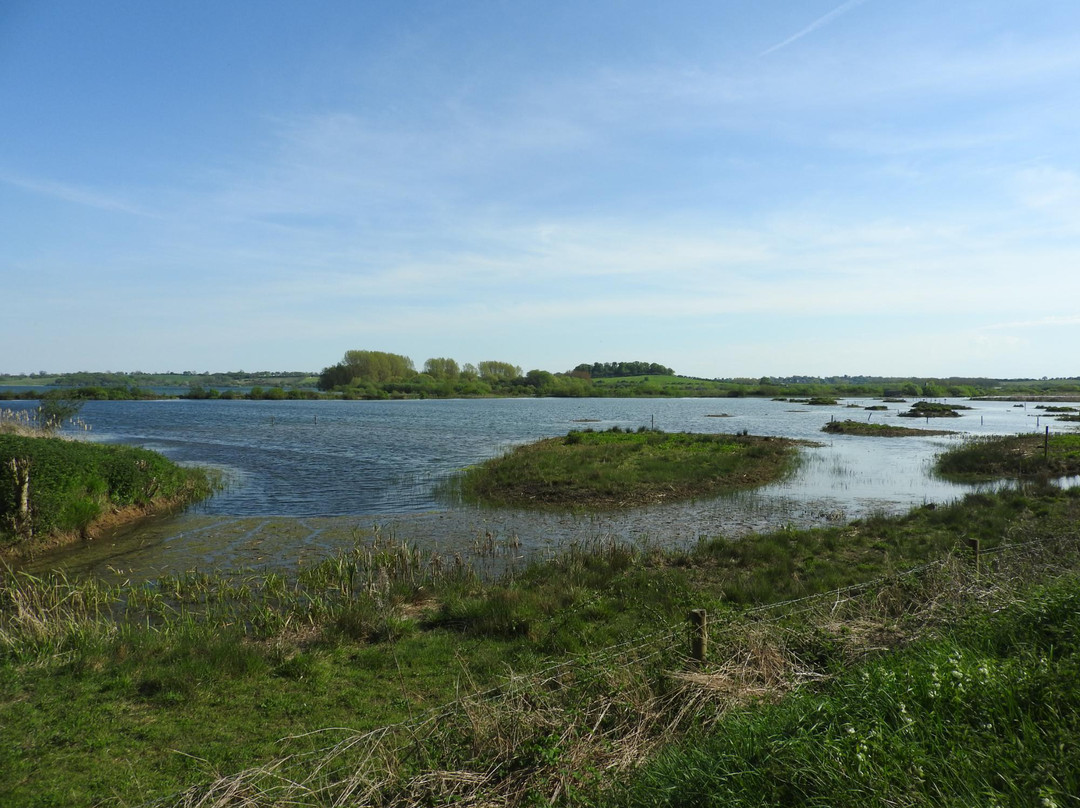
877, 430
988, 714
121, 694
931, 409
72, 483
1017, 456
616, 468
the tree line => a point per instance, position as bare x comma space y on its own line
379, 374
612, 370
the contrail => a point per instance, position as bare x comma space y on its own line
843, 8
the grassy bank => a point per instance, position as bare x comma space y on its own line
554, 680
877, 430
52, 487
984, 712
1012, 457
609, 469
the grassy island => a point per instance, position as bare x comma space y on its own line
932, 409
878, 430
53, 489
1012, 457
617, 468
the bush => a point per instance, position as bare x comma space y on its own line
71, 483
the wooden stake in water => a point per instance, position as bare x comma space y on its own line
1046, 444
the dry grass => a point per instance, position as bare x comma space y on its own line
588, 722
20, 422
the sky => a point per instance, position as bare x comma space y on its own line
729, 188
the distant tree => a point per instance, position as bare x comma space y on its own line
442, 368
375, 367
379, 366
492, 371
610, 370
338, 375
542, 380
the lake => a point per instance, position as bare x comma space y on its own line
304, 477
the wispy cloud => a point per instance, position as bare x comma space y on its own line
74, 194
1042, 322
820, 22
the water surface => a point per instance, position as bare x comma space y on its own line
305, 477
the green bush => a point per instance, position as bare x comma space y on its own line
71, 483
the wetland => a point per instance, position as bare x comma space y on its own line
301, 477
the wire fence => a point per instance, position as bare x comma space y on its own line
605, 705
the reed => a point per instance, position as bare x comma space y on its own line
557, 680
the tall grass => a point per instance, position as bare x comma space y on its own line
1017, 456
556, 680
987, 714
847, 724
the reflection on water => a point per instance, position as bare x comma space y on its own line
308, 477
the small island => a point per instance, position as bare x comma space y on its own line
617, 468
930, 409
878, 430
1029, 456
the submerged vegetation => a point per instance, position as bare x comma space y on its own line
618, 468
399, 677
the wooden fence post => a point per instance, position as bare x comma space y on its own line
975, 546
699, 635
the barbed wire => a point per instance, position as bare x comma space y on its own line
655, 641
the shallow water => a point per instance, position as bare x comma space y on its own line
305, 476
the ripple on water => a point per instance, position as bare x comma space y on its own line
308, 478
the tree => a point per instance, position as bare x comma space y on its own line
542, 380
602, 370
374, 367
492, 371
442, 368
379, 366
55, 407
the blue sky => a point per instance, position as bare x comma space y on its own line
728, 188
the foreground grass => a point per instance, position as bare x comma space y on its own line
987, 713
1014, 457
120, 694
616, 468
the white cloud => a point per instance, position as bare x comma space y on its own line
820, 22
1056, 321
78, 195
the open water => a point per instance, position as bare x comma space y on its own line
303, 477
